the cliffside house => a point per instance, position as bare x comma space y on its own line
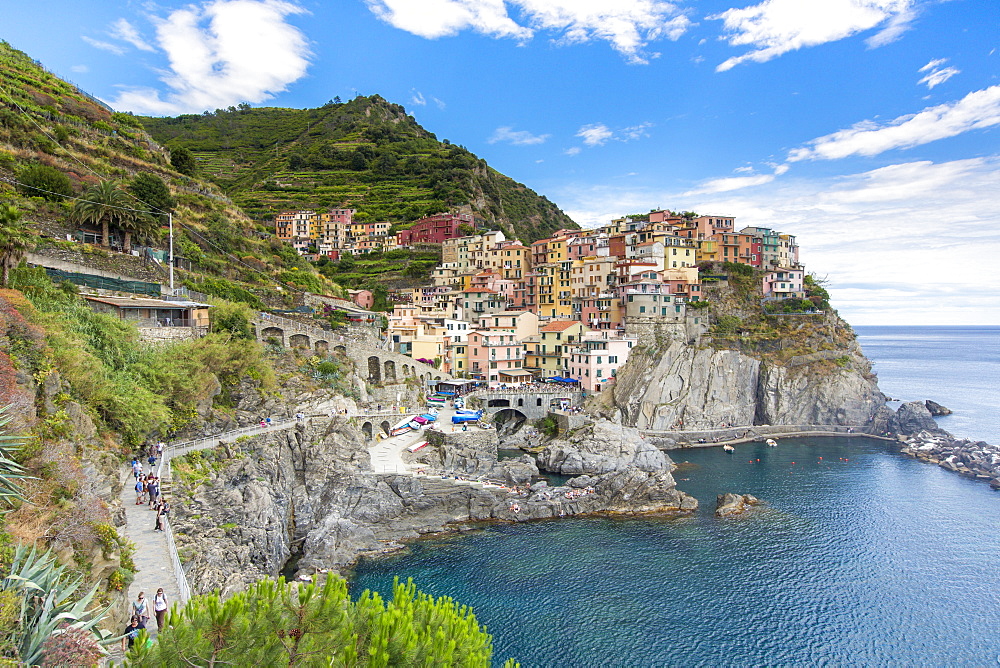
146, 312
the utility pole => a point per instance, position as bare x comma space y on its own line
170, 217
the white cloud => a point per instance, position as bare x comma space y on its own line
104, 46
628, 25
911, 243
979, 109
79, 69
222, 53
125, 31
440, 103
937, 74
573, 150
730, 183
418, 98
634, 132
595, 134
508, 135
775, 27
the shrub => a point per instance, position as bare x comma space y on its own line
275, 623
49, 183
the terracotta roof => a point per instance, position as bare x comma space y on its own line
559, 325
482, 291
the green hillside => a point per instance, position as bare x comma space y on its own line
56, 138
366, 154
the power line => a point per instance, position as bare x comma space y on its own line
158, 211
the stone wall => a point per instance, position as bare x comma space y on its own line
98, 263
167, 334
486, 441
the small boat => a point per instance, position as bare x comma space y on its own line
771, 443
729, 448
417, 446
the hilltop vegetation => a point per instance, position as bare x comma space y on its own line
57, 142
366, 154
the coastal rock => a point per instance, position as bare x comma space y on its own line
913, 417
681, 387
308, 494
686, 386
602, 447
936, 409
728, 504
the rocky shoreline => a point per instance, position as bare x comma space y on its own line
920, 437
305, 500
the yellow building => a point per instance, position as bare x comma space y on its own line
706, 250
556, 342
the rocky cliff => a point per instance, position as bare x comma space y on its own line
684, 386
306, 499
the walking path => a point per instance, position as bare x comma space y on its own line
156, 556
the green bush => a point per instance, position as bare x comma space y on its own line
275, 623
37, 180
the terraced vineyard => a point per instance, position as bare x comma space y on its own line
366, 154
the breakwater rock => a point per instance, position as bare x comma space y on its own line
727, 505
975, 459
920, 437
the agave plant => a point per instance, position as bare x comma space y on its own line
48, 601
10, 471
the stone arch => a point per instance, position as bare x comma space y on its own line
498, 403
406, 370
366, 429
298, 341
520, 402
390, 370
374, 369
273, 333
385, 427
509, 420
421, 379
340, 350
538, 401
437, 377
322, 346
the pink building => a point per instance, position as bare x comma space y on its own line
783, 284
363, 298
496, 353
595, 364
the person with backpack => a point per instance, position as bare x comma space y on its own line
160, 608
140, 608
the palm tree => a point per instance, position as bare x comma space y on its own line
103, 203
137, 225
15, 240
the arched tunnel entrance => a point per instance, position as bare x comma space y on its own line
508, 421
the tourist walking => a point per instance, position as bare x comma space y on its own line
160, 608
140, 487
140, 609
153, 489
161, 516
136, 468
131, 632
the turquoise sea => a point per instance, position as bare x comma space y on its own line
860, 557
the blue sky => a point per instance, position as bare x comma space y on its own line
868, 128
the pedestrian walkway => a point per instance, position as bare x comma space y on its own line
152, 557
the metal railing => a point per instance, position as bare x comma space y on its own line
183, 588
180, 448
